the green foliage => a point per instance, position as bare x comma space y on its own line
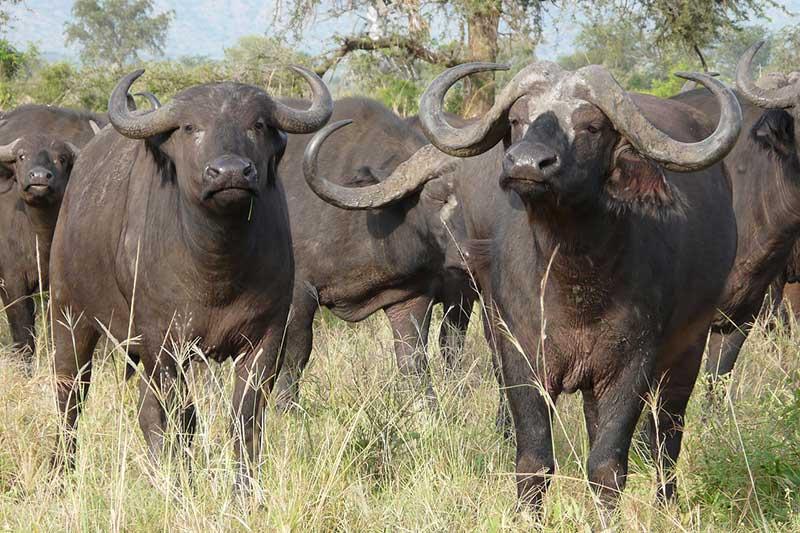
11, 60
685, 23
256, 60
5, 17
114, 32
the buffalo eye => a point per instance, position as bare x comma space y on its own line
591, 128
62, 159
259, 125
188, 128
22, 157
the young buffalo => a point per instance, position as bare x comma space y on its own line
39, 145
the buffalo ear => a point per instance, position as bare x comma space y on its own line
775, 130
638, 184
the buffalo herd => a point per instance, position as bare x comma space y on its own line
611, 238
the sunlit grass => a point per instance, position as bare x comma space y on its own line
361, 455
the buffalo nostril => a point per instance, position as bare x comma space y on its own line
212, 172
547, 163
248, 170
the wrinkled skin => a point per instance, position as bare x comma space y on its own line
31, 189
356, 263
765, 173
634, 260
182, 237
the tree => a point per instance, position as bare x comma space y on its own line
690, 25
5, 15
400, 30
114, 32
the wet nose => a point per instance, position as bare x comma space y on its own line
532, 161
230, 167
40, 174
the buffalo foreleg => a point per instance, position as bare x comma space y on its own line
665, 433
164, 401
532, 414
74, 340
255, 376
410, 322
20, 310
612, 411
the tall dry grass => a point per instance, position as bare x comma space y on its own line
360, 454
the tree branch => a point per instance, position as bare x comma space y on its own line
409, 45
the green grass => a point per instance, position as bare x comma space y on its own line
362, 456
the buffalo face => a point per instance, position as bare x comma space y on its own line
561, 153
220, 142
224, 160
41, 166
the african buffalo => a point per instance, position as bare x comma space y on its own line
175, 230
392, 258
39, 147
609, 251
765, 173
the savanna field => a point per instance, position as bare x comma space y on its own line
362, 455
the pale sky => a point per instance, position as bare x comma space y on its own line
207, 27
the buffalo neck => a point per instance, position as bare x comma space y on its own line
585, 244
43, 223
767, 204
219, 245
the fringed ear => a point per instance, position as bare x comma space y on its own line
638, 184
774, 130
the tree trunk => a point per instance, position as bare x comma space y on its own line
482, 25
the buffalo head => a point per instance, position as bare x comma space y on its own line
776, 128
41, 165
577, 137
222, 142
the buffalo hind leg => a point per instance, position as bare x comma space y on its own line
20, 310
723, 351
453, 331
299, 343
666, 434
255, 376
74, 340
410, 322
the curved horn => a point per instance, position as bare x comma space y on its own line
604, 92
690, 85
426, 164
481, 136
768, 98
8, 152
150, 97
132, 125
309, 120
472, 139
95, 128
